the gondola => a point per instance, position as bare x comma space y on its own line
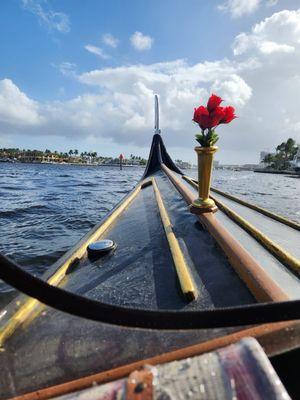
154, 283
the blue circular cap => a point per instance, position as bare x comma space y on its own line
101, 247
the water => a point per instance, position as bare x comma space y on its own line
277, 193
45, 209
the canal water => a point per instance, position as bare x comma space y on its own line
45, 209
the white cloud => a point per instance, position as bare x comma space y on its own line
279, 33
140, 41
110, 40
123, 108
262, 82
97, 51
53, 20
235, 90
181, 86
238, 8
16, 109
272, 47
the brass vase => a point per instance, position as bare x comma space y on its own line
205, 163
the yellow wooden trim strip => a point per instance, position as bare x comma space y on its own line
259, 209
27, 309
285, 257
58, 276
185, 279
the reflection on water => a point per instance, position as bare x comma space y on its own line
45, 209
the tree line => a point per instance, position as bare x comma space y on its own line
285, 153
71, 156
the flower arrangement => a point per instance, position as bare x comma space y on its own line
211, 116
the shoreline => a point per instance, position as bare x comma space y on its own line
278, 172
76, 164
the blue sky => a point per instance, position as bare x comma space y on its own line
31, 49
56, 66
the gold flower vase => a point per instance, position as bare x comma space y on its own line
205, 163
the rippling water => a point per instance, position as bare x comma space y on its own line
277, 193
45, 209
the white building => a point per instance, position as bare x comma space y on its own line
296, 161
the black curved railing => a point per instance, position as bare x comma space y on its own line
84, 307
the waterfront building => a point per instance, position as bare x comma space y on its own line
183, 164
296, 161
249, 167
38, 157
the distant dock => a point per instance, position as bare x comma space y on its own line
278, 172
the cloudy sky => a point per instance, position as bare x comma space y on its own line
82, 74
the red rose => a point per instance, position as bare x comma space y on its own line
216, 116
213, 102
228, 115
201, 116
207, 119
199, 112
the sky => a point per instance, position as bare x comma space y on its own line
82, 74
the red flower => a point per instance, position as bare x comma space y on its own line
228, 115
213, 102
201, 116
216, 116
207, 119
199, 113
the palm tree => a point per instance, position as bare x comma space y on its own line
269, 158
285, 152
76, 152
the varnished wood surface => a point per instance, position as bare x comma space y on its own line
256, 279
